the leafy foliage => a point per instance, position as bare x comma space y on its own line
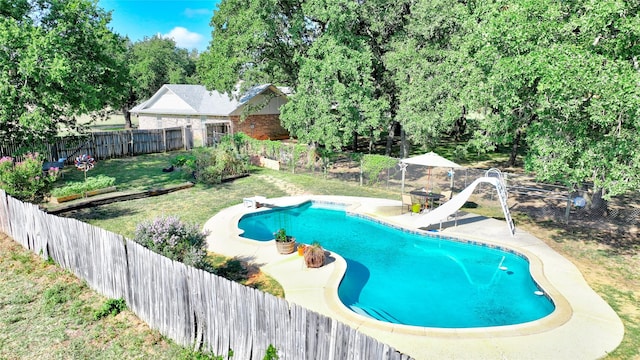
58, 60
556, 81
233, 270
373, 165
25, 179
178, 241
151, 63
80, 187
183, 160
271, 353
111, 307
281, 236
212, 165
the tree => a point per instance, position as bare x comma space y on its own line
153, 62
541, 76
565, 81
334, 99
589, 123
257, 42
433, 70
56, 62
292, 43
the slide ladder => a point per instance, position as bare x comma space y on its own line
442, 212
502, 195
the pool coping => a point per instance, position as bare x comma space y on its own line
582, 325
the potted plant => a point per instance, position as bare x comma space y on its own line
314, 255
301, 249
285, 243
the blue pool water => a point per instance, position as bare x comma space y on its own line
412, 279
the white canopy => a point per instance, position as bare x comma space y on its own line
430, 160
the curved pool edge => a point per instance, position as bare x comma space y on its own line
581, 326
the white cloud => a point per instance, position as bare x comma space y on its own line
184, 38
197, 12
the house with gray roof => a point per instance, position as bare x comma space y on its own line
211, 114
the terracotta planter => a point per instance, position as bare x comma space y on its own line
286, 247
301, 249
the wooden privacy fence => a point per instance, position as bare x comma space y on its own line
112, 144
191, 306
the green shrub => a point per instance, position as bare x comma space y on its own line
176, 240
80, 187
212, 165
182, 160
110, 307
372, 166
271, 353
25, 179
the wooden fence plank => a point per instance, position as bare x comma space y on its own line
261, 338
4, 213
112, 144
223, 316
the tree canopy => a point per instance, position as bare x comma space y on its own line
57, 61
555, 81
151, 63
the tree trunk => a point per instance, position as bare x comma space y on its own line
354, 146
460, 126
514, 149
127, 117
597, 202
390, 136
404, 145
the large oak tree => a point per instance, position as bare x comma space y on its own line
56, 62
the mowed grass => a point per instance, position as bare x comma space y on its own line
48, 313
197, 204
610, 272
132, 173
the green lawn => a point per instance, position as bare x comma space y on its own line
48, 313
132, 173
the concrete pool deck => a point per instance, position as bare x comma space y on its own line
583, 325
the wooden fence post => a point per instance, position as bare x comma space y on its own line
164, 139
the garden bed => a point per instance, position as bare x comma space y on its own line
66, 198
115, 197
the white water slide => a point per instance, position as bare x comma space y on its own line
444, 211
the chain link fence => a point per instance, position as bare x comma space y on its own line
541, 202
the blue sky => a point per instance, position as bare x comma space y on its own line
187, 22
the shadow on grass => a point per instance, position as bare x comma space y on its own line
99, 213
619, 241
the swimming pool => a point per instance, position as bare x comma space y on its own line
409, 278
